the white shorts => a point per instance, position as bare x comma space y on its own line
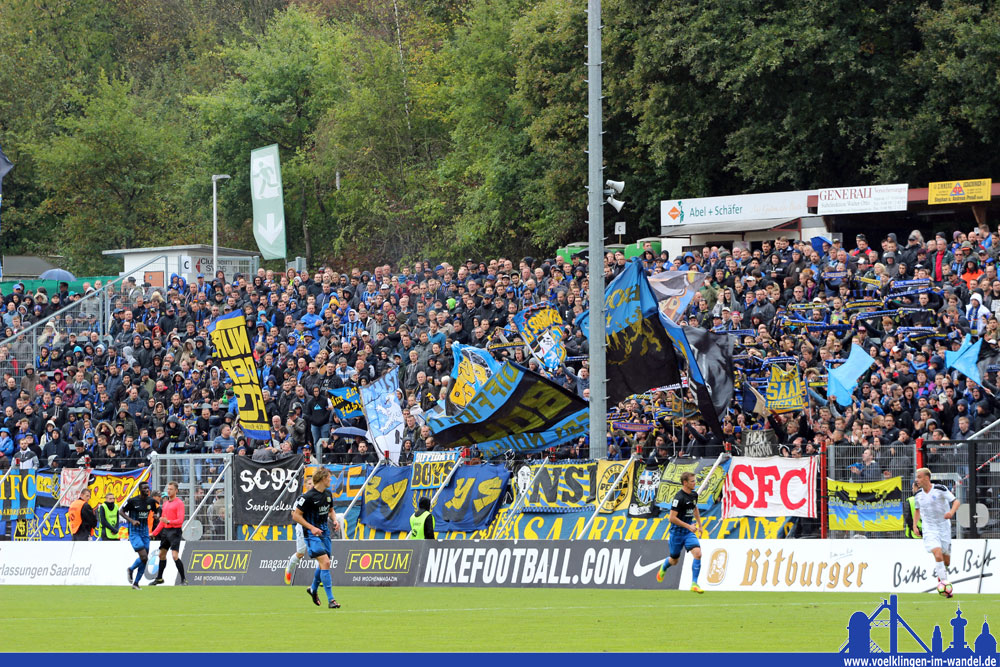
937, 538
300, 539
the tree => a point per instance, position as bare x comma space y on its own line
111, 176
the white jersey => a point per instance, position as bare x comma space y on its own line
933, 504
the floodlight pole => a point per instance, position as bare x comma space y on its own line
595, 187
215, 222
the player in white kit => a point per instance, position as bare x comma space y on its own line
934, 506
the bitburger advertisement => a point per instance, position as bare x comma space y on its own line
883, 566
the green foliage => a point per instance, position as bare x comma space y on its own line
111, 175
458, 127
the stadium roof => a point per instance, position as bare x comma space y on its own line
676, 231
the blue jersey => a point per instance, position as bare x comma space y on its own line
315, 507
140, 509
684, 503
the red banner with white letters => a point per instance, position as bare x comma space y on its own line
770, 487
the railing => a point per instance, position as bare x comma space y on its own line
91, 314
205, 484
845, 463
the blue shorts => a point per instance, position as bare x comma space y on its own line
318, 546
681, 539
139, 542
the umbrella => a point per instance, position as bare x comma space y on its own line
350, 431
57, 274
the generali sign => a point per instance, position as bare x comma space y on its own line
862, 199
883, 566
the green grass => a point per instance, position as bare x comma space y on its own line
271, 618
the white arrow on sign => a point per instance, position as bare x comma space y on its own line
271, 229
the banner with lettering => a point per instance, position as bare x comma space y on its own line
670, 481
770, 487
868, 506
472, 368
17, 494
72, 482
472, 498
430, 469
607, 473
785, 392
387, 505
515, 410
345, 480
616, 526
759, 443
561, 487
258, 487
643, 503
384, 414
542, 330
123, 485
232, 349
346, 402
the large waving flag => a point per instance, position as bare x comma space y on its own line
384, 414
472, 368
844, 379
639, 352
684, 350
675, 289
965, 359
542, 331
515, 410
232, 348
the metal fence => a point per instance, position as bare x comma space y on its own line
971, 469
205, 484
92, 313
849, 463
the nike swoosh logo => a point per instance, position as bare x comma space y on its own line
641, 570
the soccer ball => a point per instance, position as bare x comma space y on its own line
944, 588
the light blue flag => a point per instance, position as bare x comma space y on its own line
844, 379
965, 359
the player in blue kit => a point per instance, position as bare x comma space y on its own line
313, 510
138, 512
683, 533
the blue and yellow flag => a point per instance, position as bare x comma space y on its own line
515, 410
232, 348
473, 367
346, 402
472, 498
542, 332
785, 392
639, 353
387, 505
867, 506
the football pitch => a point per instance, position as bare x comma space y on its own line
283, 619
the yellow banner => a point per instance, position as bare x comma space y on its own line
952, 192
785, 392
607, 473
866, 506
232, 347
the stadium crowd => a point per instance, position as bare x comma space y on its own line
150, 383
